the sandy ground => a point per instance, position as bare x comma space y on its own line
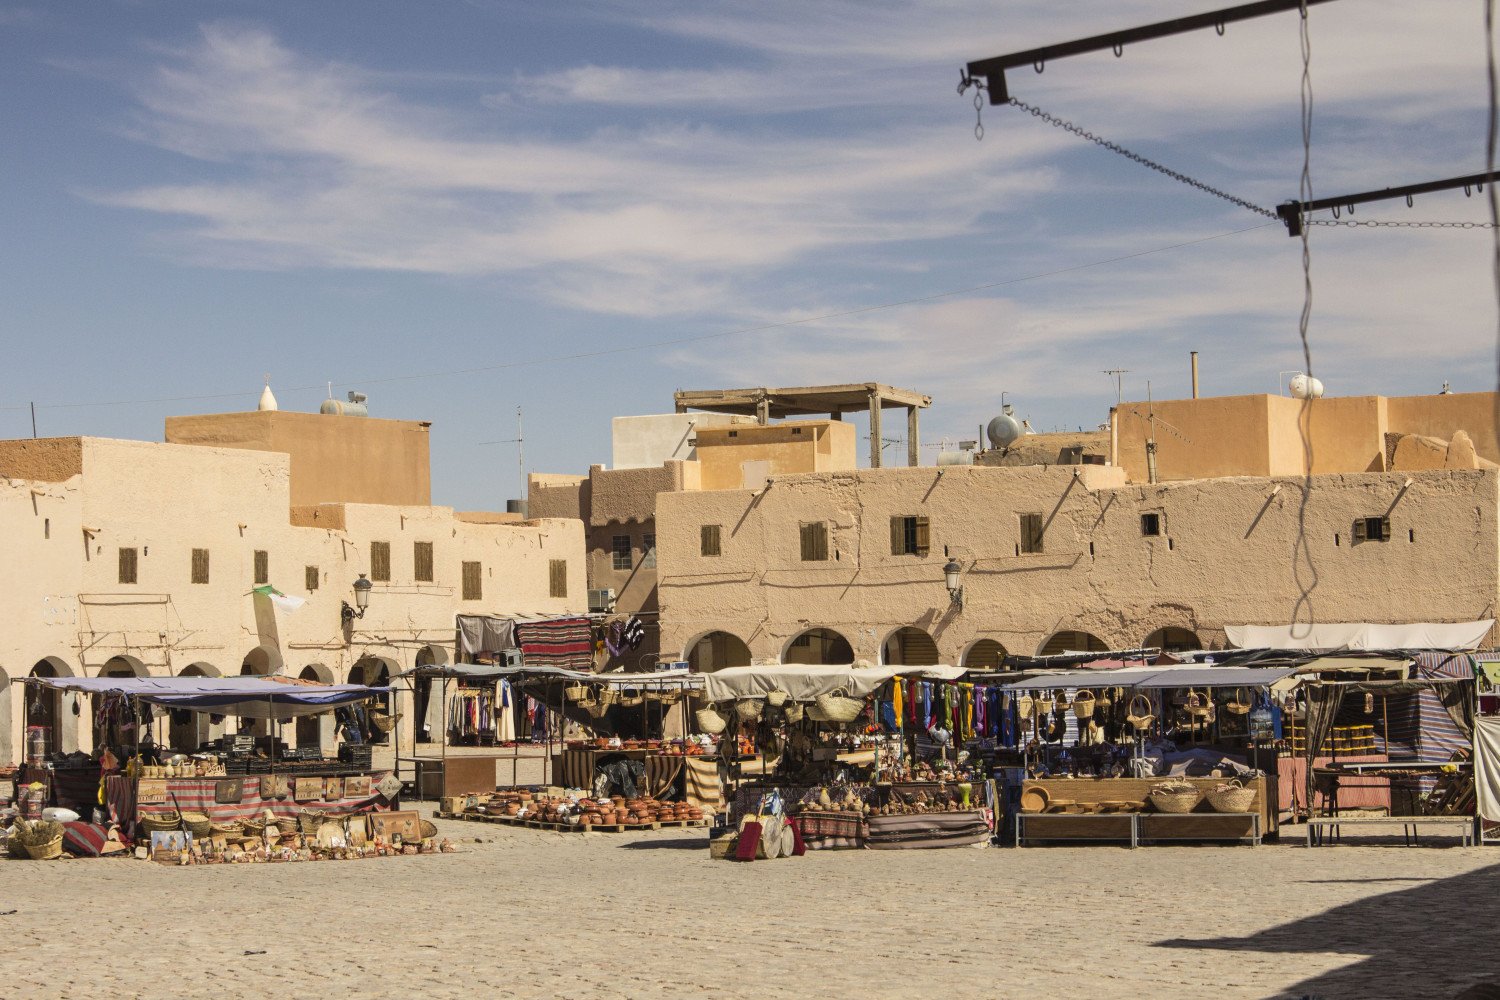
529, 914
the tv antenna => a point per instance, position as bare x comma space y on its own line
1118, 375
520, 442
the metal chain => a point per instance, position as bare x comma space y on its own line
1399, 225
1082, 133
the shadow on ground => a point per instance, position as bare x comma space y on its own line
675, 844
1431, 940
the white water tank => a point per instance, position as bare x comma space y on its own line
1004, 430
355, 407
1305, 387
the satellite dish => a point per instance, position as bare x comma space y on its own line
1305, 387
1004, 430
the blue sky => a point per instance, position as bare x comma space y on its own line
197, 194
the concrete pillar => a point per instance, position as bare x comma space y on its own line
913, 439
763, 411
875, 430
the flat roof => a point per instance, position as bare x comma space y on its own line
799, 400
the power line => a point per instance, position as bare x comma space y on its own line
673, 342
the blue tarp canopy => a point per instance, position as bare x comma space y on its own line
247, 697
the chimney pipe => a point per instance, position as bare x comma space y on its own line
1195, 373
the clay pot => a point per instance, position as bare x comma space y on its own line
512, 809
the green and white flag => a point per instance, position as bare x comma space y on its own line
279, 599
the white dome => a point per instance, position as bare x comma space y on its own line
267, 400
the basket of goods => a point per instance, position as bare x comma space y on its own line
749, 709
162, 822
1139, 713
710, 721
231, 828
1174, 797
40, 840
197, 823
1231, 797
839, 707
1083, 704
777, 698
1240, 704
383, 722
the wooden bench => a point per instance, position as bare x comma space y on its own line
1410, 826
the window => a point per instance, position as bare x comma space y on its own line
262, 567
1031, 534
619, 553
127, 565
421, 559
310, 582
557, 577
200, 565
815, 542
1372, 529
1151, 524
910, 536
380, 562
708, 540
648, 551
796, 430
46, 527
473, 585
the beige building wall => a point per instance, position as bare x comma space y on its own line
1225, 556
1264, 435
67, 607
335, 459
647, 441
742, 457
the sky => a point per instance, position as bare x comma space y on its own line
462, 208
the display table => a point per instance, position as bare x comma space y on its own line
1095, 810
1292, 772
927, 830
575, 767
199, 795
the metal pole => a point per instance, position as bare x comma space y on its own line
1194, 355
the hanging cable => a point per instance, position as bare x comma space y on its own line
1113, 147
1394, 224
1301, 547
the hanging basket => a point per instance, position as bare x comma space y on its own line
383, 722
777, 698
596, 709
839, 707
1139, 714
749, 709
1083, 705
609, 696
793, 712
1240, 704
576, 692
1023, 706
1198, 705
631, 700
710, 721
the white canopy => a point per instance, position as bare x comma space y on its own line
1360, 635
804, 682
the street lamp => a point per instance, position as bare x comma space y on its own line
951, 573
362, 588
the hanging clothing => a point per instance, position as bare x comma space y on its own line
898, 710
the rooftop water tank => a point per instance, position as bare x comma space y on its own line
1004, 430
355, 407
1305, 386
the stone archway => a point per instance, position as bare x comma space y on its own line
984, 654
715, 651
190, 730
1173, 640
427, 701
262, 661
1072, 641
909, 646
818, 645
316, 730
124, 665
377, 671
45, 708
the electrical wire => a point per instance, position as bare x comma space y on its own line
1302, 557
1492, 126
673, 342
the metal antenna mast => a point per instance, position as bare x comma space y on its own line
1118, 375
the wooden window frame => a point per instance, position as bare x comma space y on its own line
911, 535
198, 570
1033, 535
311, 578
473, 580
262, 570
711, 540
423, 566
130, 565
814, 539
1363, 526
621, 559
380, 562
557, 578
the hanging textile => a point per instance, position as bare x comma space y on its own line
898, 709
559, 642
485, 634
1487, 767
635, 632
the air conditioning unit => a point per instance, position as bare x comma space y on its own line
510, 658
602, 601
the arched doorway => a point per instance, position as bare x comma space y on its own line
818, 645
428, 702
909, 647
986, 654
262, 661
190, 730
1173, 640
715, 651
123, 666
1072, 642
376, 671
315, 730
45, 709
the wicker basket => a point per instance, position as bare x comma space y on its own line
793, 712
196, 823
749, 709
45, 852
632, 700
1240, 703
609, 696
1236, 799
710, 721
576, 692
383, 722
1174, 802
158, 822
1200, 706
227, 828
1023, 706
839, 707
1083, 705
1139, 713
777, 698
308, 821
